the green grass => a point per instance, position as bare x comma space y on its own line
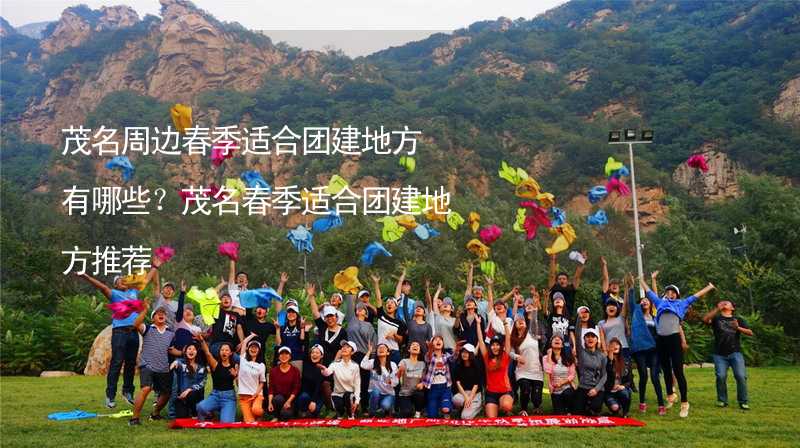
773, 421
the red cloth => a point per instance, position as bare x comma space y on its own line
537, 217
284, 383
164, 253
222, 150
490, 234
121, 310
617, 185
497, 373
229, 249
698, 161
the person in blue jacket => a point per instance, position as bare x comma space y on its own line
643, 344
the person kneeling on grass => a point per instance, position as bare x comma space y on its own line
346, 381
496, 359
154, 366
188, 382
438, 379
592, 374
284, 386
251, 379
728, 351
411, 396
223, 373
619, 379
382, 381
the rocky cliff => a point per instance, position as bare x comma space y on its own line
719, 183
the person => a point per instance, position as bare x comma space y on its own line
411, 395
251, 379
188, 382
346, 381
610, 287
613, 327
643, 345
530, 312
330, 332
335, 301
619, 379
728, 351
583, 322
223, 374
154, 366
560, 284
496, 360
591, 374
560, 368
164, 299
468, 378
670, 311
364, 297
223, 330
391, 329
468, 322
284, 386
497, 315
419, 330
124, 337
256, 322
474, 292
237, 282
559, 324
292, 335
406, 305
528, 373
441, 317
438, 379
185, 328
312, 396
361, 331
382, 382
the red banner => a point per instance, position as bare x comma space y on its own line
511, 422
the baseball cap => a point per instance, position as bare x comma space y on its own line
170, 284
361, 306
590, 331
351, 344
363, 293
447, 301
293, 308
255, 342
583, 308
469, 347
328, 310
160, 308
319, 347
558, 296
674, 288
285, 349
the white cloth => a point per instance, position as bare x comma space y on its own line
250, 374
234, 290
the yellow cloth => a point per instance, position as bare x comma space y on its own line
546, 200
612, 165
181, 117
454, 220
336, 184
137, 280
519, 223
392, 231
474, 220
511, 174
408, 163
478, 249
309, 199
207, 301
528, 188
347, 280
238, 187
406, 221
566, 236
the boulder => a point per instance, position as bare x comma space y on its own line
719, 183
100, 354
56, 373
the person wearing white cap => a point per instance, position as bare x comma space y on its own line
559, 283
391, 329
441, 316
293, 335
346, 381
592, 375
364, 296
330, 333
468, 378
251, 379
312, 394
284, 386
154, 363
670, 310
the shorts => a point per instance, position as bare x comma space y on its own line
494, 397
161, 382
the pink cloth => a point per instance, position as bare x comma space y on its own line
698, 161
490, 234
185, 195
221, 151
214, 189
230, 250
121, 310
617, 185
164, 253
538, 217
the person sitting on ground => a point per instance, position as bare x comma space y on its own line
284, 386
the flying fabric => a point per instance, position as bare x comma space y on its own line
538, 217
237, 186
123, 309
207, 301
519, 221
336, 184
488, 268
253, 179
478, 249
511, 174
597, 194
122, 163
372, 250
181, 117
527, 189
216, 193
624, 171
490, 234
696, 161
408, 162
301, 239
407, 221
222, 151
185, 195
566, 236
392, 231
454, 220
309, 199
611, 166
616, 185
327, 222
559, 217
577, 257
164, 253
229, 249
137, 280
599, 218
474, 220
425, 231
260, 297
546, 200
347, 280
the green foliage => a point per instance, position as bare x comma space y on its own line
127, 108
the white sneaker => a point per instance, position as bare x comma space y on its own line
417, 414
684, 410
671, 399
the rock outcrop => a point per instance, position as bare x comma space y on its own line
444, 55
74, 28
719, 183
652, 210
544, 66
496, 63
576, 80
614, 110
787, 107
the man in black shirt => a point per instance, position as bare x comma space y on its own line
256, 322
728, 351
560, 283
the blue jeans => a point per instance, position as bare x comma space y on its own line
222, 401
736, 362
304, 399
124, 348
384, 402
439, 397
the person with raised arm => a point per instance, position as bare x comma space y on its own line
559, 283
330, 332
441, 317
670, 311
154, 363
619, 379
346, 381
237, 283
727, 352
560, 368
496, 361
361, 331
474, 292
251, 379
391, 329
610, 288
223, 375
406, 305
438, 379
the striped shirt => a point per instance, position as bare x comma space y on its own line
438, 369
155, 345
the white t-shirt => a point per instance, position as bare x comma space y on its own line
346, 378
234, 290
250, 374
529, 351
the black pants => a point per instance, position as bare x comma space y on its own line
365, 375
414, 403
586, 405
648, 359
277, 408
188, 408
530, 390
124, 349
343, 405
670, 354
563, 402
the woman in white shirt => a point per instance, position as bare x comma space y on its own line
251, 379
346, 380
529, 372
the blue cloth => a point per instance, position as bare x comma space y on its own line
121, 296
596, 194
405, 308
425, 231
736, 362
598, 218
301, 239
327, 222
262, 297
372, 250
641, 337
77, 414
677, 307
624, 171
122, 163
222, 401
253, 179
559, 217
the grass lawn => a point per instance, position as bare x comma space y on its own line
773, 421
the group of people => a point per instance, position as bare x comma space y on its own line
363, 353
